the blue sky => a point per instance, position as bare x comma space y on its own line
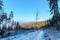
25, 10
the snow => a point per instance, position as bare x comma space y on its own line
53, 34
36, 35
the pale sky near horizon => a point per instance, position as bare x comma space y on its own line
25, 10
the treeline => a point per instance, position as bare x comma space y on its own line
7, 23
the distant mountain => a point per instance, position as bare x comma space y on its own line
34, 25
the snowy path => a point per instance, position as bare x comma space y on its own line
36, 35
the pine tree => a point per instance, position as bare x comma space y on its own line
11, 15
54, 10
1, 4
18, 26
53, 4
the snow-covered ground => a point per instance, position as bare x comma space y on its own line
36, 35
53, 34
